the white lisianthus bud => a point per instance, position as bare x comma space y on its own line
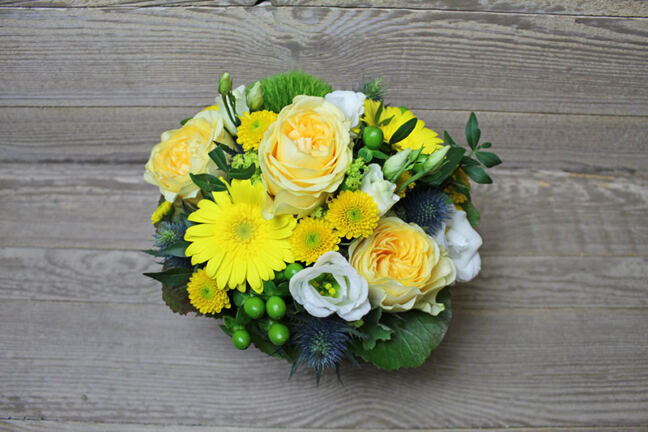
225, 84
350, 103
255, 96
381, 190
241, 108
394, 164
462, 243
434, 160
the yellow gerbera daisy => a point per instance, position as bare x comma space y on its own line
353, 214
235, 240
205, 293
252, 128
312, 238
420, 136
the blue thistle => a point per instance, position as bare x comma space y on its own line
428, 208
321, 343
169, 233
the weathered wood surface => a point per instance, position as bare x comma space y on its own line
570, 7
524, 213
441, 60
577, 143
140, 363
550, 282
125, 3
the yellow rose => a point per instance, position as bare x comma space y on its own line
405, 268
304, 155
185, 151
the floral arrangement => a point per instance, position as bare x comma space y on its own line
318, 225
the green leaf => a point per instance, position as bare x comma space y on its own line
478, 174
403, 131
386, 121
448, 139
270, 288
366, 154
415, 335
182, 122
225, 148
486, 145
488, 159
218, 156
468, 161
373, 330
472, 214
173, 277
239, 298
177, 299
472, 131
243, 173
379, 155
208, 183
453, 157
378, 113
177, 249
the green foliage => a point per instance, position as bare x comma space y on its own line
373, 89
415, 335
279, 90
403, 131
453, 158
173, 277
373, 331
177, 299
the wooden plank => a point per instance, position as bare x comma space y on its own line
637, 8
57, 426
460, 61
540, 213
125, 3
519, 282
127, 134
142, 364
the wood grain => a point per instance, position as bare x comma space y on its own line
125, 3
579, 7
127, 134
89, 275
136, 363
67, 426
460, 61
523, 213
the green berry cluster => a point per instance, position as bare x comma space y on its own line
245, 160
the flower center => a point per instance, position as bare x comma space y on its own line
207, 292
313, 240
326, 285
244, 231
354, 215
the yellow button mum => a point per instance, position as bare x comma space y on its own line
235, 240
312, 238
353, 214
253, 127
206, 295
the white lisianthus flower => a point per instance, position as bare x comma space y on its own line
351, 103
241, 108
381, 190
331, 286
462, 243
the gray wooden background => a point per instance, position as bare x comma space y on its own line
552, 336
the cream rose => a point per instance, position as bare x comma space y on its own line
405, 268
185, 151
304, 155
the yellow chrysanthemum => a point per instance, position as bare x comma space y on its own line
312, 238
161, 211
252, 128
457, 197
402, 179
235, 240
206, 295
353, 214
420, 136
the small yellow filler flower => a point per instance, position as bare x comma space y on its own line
235, 240
252, 128
161, 211
312, 238
353, 214
206, 295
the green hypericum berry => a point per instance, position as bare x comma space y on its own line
275, 307
292, 270
241, 339
253, 307
372, 137
278, 334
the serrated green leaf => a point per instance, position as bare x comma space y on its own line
448, 139
184, 121
488, 159
453, 157
218, 156
472, 131
478, 174
472, 214
243, 173
208, 183
414, 336
177, 249
173, 277
403, 131
177, 299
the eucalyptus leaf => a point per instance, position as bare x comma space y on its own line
488, 159
172, 277
478, 174
472, 131
403, 131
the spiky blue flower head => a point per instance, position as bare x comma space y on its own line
169, 233
428, 208
322, 343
